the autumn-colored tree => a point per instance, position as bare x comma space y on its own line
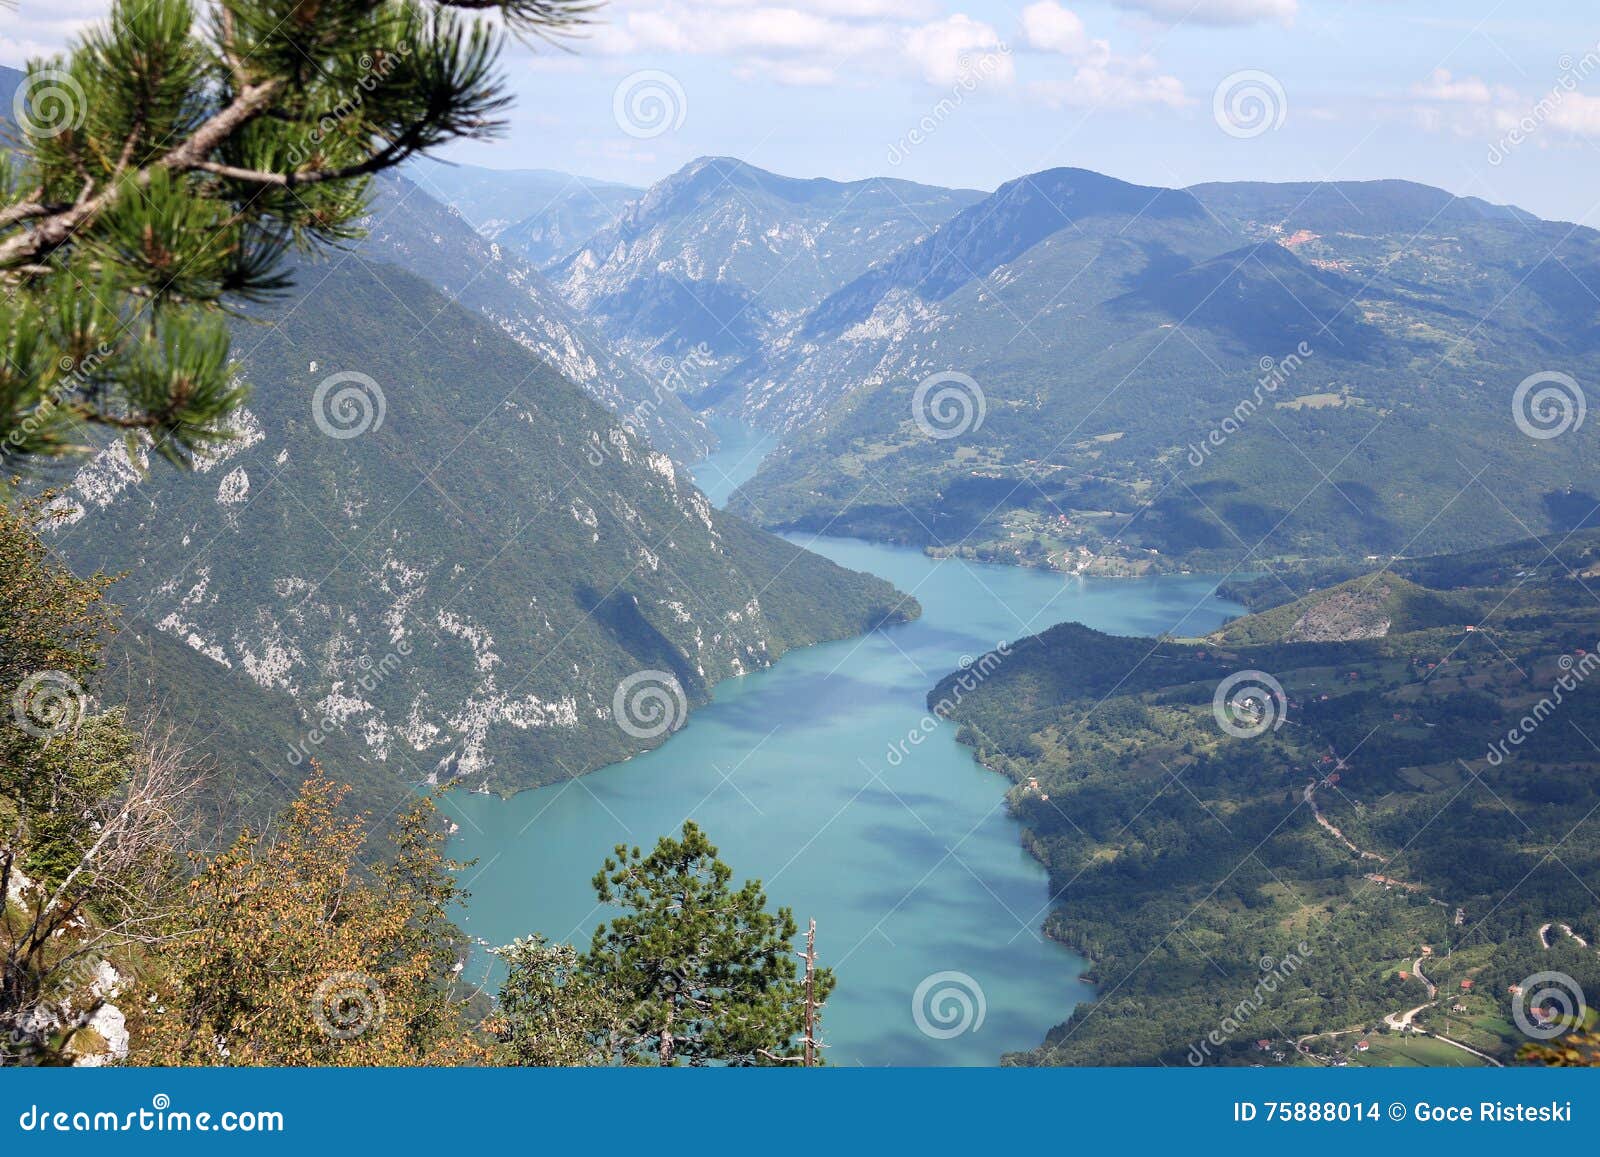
287, 954
1575, 1050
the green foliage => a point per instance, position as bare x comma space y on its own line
172, 159
573, 609
704, 972
285, 952
1115, 330
1180, 857
552, 1011
90, 810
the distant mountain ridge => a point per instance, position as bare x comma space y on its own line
541, 213
727, 254
408, 228
1176, 378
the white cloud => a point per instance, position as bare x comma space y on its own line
1447, 89
1577, 114
1051, 28
1216, 12
945, 51
785, 72
1091, 87
1099, 77
30, 32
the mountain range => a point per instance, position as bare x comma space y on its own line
408, 228
540, 214
1151, 378
1322, 798
726, 255
436, 546
1191, 377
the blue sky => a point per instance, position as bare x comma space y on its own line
1484, 97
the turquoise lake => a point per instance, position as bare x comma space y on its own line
912, 867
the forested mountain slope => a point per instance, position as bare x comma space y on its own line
428, 537
729, 255
1209, 809
1166, 378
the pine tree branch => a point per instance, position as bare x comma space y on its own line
56, 229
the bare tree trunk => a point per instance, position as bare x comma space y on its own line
811, 996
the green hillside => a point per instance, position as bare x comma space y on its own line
452, 515
1160, 379
1373, 808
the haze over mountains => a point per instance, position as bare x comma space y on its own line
728, 255
1168, 378
453, 554
1109, 330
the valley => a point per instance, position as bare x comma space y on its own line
1108, 622
902, 850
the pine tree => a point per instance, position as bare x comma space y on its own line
166, 168
704, 972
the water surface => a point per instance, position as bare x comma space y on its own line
911, 866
